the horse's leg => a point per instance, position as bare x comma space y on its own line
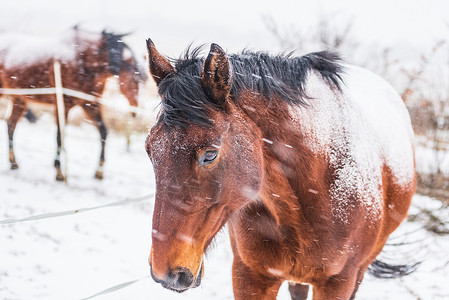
67, 106
248, 284
18, 109
360, 275
338, 287
93, 112
298, 291
30, 116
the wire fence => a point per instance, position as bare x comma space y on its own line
59, 90
74, 211
65, 91
115, 288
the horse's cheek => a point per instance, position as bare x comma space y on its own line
245, 176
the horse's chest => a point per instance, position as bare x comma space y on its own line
261, 245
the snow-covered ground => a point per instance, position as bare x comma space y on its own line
77, 256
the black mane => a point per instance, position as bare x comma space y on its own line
115, 47
282, 76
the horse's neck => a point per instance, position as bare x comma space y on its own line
294, 176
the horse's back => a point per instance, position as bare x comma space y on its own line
26, 61
21, 50
385, 113
364, 132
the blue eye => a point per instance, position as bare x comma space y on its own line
208, 157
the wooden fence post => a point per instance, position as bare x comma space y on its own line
60, 110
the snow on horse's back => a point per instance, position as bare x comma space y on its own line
364, 128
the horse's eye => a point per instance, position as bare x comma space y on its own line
208, 157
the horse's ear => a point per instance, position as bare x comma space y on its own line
160, 67
216, 77
125, 34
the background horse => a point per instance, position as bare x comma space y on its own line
87, 61
309, 162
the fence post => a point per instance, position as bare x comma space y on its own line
60, 110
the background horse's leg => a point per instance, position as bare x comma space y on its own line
59, 175
18, 109
30, 116
93, 112
67, 106
103, 134
298, 291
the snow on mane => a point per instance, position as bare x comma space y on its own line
360, 130
18, 50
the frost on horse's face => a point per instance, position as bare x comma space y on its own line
203, 173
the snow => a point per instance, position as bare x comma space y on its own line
20, 49
384, 110
77, 256
359, 131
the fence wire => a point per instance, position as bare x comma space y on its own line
65, 91
75, 211
115, 288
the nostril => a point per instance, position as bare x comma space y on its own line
185, 277
181, 278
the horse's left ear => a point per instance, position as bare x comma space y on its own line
160, 67
216, 77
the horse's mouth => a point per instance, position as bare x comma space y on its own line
178, 290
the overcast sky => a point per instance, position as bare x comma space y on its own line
234, 24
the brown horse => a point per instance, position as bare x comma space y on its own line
87, 61
308, 161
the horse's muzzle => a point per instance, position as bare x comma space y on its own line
180, 279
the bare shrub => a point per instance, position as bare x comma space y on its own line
333, 31
417, 82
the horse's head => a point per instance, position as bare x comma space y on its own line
207, 160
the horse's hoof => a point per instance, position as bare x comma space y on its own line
14, 166
60, 177
99, 175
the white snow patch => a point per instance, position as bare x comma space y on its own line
157, 235
275, 272
312, 191
267, 141
250, 193
359, 131
20, 50
185, 238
